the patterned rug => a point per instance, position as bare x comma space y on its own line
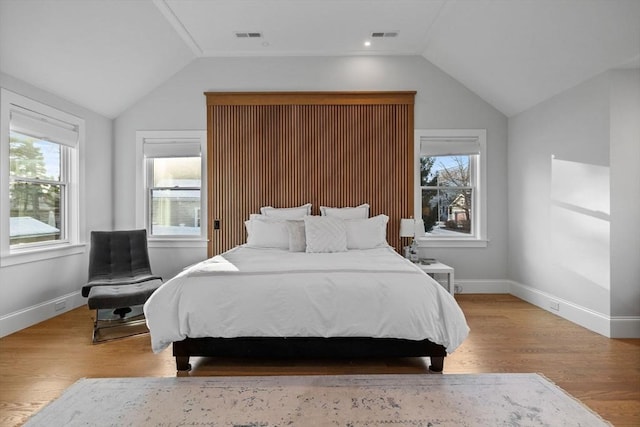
349, 401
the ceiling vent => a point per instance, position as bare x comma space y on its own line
248, 34
384, 34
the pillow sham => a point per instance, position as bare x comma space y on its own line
325, 234
358, 212
286, 213
367, 233
247, 224
267, 233
297, 238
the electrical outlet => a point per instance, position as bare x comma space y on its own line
60, 305
554, 305
457, 289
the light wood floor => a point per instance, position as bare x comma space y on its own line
507, 335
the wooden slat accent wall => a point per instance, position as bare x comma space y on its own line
327, 148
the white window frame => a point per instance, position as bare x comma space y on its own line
479, 207
73, 240
166, 138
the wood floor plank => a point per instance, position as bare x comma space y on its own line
507, 335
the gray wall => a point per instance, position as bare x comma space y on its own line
567, 238
441, 102
574, 188
625, 193
27, 289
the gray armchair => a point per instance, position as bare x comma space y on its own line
120, 282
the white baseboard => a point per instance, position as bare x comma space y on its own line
29, 316
483, 286
611, 327
625, 327
575, 313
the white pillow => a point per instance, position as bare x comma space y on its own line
297, 238
247, 224
367, 233
287, 213
325, 234
359, 212
267, 233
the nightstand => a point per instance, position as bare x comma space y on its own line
440, 268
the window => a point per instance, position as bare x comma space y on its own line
40, 186
37, 190
451, 182
174, 196
171, 206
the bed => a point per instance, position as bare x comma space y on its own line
272, 301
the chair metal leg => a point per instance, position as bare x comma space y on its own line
134, 325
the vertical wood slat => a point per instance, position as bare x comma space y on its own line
331, 153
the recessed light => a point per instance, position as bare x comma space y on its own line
367, 43
384, 34
248, 34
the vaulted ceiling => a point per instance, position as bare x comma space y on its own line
107, 54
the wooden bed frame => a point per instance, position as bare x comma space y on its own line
320, 348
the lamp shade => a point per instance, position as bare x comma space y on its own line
407, 227
419, 228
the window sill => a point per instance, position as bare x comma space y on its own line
176, 242
452, 243
40, 254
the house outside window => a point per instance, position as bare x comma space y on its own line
171, 188
40, 186
451, 186
37, 190
174, 196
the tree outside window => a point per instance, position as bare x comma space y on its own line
36, 190
447, 194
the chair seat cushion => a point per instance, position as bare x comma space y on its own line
118, 280
116, 296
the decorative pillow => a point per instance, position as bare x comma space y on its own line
359, 212
367, 233
325, 234
287, 213
267, 233
247, 224
297, 238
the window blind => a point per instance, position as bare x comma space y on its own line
161, 147
43, 127
430, 146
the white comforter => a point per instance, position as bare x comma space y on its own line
248, 292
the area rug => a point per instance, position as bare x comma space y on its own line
347, 400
